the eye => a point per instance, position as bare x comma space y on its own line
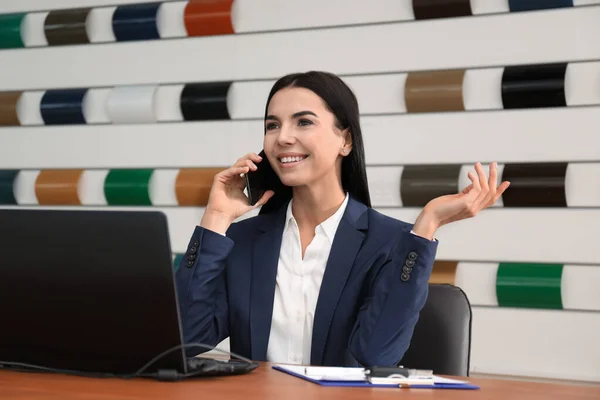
272, 125
305, 122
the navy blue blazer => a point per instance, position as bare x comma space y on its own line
374, 286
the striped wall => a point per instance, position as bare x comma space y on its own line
128, 106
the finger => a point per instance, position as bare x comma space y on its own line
492, 185
232, 171
264, 198
501, 189
467, 189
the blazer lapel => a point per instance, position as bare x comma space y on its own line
346, 245
265, 257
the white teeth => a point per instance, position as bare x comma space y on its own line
291, 159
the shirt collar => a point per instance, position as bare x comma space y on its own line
329, 226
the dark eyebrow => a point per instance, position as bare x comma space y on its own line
295, 115
302, 113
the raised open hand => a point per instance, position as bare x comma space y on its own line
479, 195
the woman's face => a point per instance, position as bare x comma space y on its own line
301, 140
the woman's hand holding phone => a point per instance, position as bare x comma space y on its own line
227, 200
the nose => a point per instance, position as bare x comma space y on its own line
286, 136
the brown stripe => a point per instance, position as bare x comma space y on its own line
8, 108
434, 91
444, 272
419, 184
536, 185
193, 185
427, 9
58, 187
66, 27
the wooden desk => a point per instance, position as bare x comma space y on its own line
263, 383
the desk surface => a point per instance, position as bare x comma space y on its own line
263, 383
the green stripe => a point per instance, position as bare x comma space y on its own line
128, 187
10, 31
177, 261
529, 285
7, 179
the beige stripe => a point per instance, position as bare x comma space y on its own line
444, 272
434, 91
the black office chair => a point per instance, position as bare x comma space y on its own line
442, 336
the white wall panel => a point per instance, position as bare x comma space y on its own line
579, 287
465, 138
91, 187
582, 185
384, 186
94, 106
378, 94
492, 45
489, 6
32, 30
29, 109
132, 104
582, 83
161, 187
535, 343
248, 99
500, 234
267, 15
24, 187
168, 103
10, 6
478, 281
170, 19
482, 89
99, 25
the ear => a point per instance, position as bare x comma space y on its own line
347, 143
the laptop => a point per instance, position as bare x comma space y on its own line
93, 292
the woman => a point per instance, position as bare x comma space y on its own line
318, 277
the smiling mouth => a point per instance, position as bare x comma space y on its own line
291, 161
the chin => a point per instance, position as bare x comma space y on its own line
293, 181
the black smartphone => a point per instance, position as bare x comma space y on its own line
261, 180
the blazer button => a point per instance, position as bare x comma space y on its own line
192, 257
190, 264
193, 250
405, 277
412, 256
195, 243
406, 270
410, 263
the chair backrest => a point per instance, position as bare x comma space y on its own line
442, 337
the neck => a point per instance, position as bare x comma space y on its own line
315, 203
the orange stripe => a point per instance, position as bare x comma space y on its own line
58, 187
208, 17
193, 185
444, 272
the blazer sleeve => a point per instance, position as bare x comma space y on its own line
396, 295
202, 289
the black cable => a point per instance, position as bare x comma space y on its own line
166, 374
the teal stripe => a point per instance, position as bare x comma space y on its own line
7, 179
10, 31
177, 261
529, 285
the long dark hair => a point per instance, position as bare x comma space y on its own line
341, 101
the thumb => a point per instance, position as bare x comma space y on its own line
264, 198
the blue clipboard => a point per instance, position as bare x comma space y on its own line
331, 383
